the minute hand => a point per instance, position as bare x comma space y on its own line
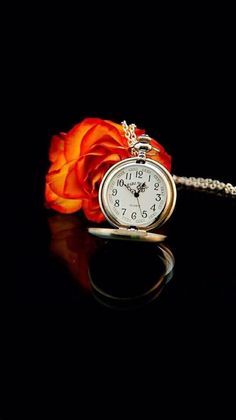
129, 188
137, 196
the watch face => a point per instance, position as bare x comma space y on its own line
137, 194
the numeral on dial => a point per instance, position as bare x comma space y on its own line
144, 214
117, 203
128, 176
120, 182
153, 207
156, 186
158, 197
133, 215
123, 211
114, 191
139, 174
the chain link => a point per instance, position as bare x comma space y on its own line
206, 184
198, 183
129, 131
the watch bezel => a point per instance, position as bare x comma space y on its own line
161, 171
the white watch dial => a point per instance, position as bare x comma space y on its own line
137, 194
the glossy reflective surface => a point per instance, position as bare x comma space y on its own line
60, 262
118, 274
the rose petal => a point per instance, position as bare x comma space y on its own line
87, 164
117, 126
163, 157
75, 136
61, 204
87, 167
56, 146
66, 206
56, 179
92, 210
58, 163
50, 196
72, 187
97, 177
102, 150
97, 132
108, 143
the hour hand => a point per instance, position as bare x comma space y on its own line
129, 188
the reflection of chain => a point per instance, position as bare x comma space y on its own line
199, 183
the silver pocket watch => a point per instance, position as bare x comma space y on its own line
136, 194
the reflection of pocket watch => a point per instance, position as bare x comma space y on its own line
136, 195
132, 285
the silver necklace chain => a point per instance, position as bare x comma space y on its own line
130, 135
207, 184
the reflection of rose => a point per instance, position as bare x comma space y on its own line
71, 242
80, 159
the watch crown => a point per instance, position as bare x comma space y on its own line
142, 146
143, 143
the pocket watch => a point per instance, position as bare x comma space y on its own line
136, 195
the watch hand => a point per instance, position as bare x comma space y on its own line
137, 196
129, 188
142, 187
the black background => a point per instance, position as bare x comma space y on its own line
175, 81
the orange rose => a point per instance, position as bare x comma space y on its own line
79, 160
